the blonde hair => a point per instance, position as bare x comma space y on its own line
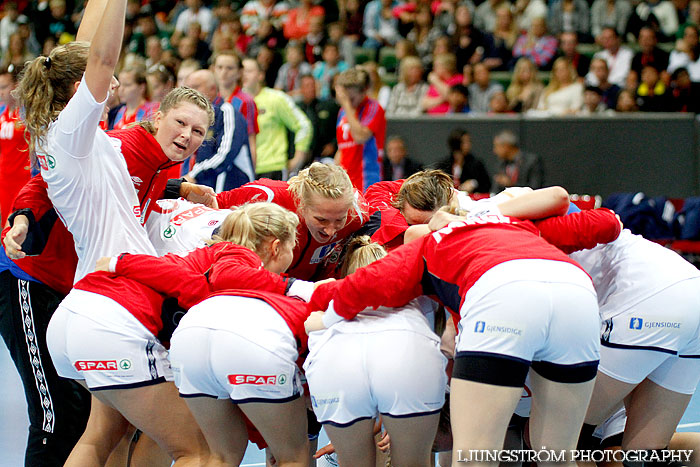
406, 63
252, 224
176, 97
426, 190
354, 78
326, 181
516, 86
554, 83
448, 60
46, 86
361, 252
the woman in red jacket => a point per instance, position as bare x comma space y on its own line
522, 303
329, 209
241, 343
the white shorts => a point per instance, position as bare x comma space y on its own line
236, 348
533, 311
658, 339
356, 376
109, 349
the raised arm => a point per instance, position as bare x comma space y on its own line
105, 33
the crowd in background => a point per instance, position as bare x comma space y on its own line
423, 56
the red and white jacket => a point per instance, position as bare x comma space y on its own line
389, 224
55, 261
449, 261
221, 269
312, 260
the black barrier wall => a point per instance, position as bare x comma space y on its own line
654, 153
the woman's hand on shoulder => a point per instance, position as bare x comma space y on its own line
314, 322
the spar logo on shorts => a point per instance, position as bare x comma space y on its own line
636, 323
103, 365
257, 380
96, 365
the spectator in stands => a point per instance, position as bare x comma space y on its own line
610, 14
406, 96
568, 43
515, 167
471, 45
223, 161
599, 69
527, 10
693, 17
55, 22
18, 53
325, 70
397, 164
133, 92
296, 26
229, 35
291, 71
649, 53
617, 56
536, 44
160, 82
444, 12
481, 90
154, 51
202, 50
360, 130
146, 27
265, 36
315, 39
195, 12
468, 172
443, 76
405, 48
499, 104
593, 102
652, 93
346, 45
686, 54
685, 93
423, 34
660, 14
270, 62
26, 32
323, 115
379, 25
9, 25
187, 49
351, 15
227, 71
570, 16
485, 14
626, 102
377, 90
564, 93
256, 11
504, 34
277, 115
525, 87
458, 99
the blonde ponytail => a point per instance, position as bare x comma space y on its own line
361, 252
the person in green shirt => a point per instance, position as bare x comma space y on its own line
277, 113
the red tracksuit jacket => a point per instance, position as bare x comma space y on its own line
448, 262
